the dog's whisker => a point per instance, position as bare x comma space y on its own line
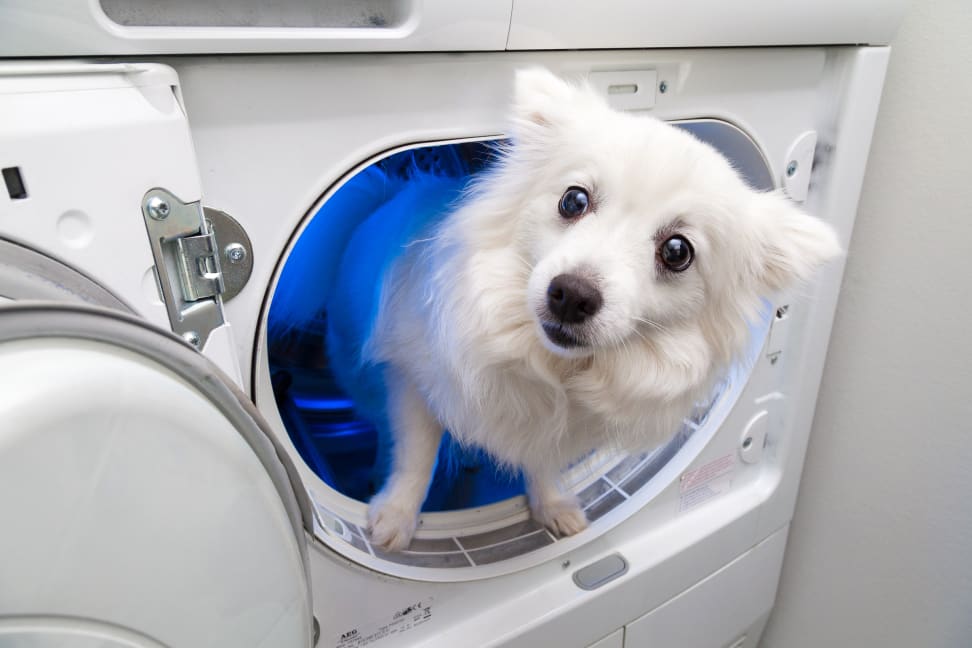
652, 323
526, 263
640, 334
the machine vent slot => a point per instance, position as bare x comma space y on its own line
15, 183
314, 14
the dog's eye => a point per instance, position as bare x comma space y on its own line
676, 253
574, 203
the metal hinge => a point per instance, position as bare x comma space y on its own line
186, 264
199, 267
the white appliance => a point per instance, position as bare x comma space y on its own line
154, 495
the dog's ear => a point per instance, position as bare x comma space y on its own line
540, 100
538, 94
792, 244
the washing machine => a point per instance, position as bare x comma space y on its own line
179, 464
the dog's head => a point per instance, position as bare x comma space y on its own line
634, 228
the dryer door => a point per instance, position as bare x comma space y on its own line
142, 499
28, 274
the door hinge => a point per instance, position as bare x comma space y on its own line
186, 264
199, 270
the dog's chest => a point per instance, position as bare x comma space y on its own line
520, 417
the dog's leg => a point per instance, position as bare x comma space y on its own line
393, 513
558, 511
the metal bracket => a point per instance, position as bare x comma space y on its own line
186, 264
234, 249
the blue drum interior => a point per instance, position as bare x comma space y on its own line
338, 438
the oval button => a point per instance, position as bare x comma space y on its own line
601, 572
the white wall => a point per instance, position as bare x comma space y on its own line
880, 550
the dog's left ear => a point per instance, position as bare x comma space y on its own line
792, 244
538, 95
540, 102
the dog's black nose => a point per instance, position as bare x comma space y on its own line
573, 299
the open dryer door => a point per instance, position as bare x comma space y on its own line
143, 499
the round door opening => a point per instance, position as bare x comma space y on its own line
474, 515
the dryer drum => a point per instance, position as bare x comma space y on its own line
479, 517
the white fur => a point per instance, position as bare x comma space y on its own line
459, 322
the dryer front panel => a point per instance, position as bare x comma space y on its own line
320, 121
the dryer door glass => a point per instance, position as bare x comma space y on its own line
140, 492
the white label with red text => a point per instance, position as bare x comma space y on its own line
705, 482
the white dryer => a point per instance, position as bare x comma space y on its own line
177, 466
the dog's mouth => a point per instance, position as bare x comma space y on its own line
560, 336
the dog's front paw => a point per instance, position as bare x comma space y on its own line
391, 527
562, 515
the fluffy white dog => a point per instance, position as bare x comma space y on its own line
585, 294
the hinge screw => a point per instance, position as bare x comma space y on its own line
235, 252
791, 168
158, 208
663, 87
192, 338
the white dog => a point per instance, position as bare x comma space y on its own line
585, 294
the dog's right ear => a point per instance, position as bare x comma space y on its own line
540, 102
791, 244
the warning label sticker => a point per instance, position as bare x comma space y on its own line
705, 482
402, 620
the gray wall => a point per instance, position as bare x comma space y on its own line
880, 550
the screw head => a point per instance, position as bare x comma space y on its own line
663, 87
191, 337
235, 252
747, 442
158, 208
791, 168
